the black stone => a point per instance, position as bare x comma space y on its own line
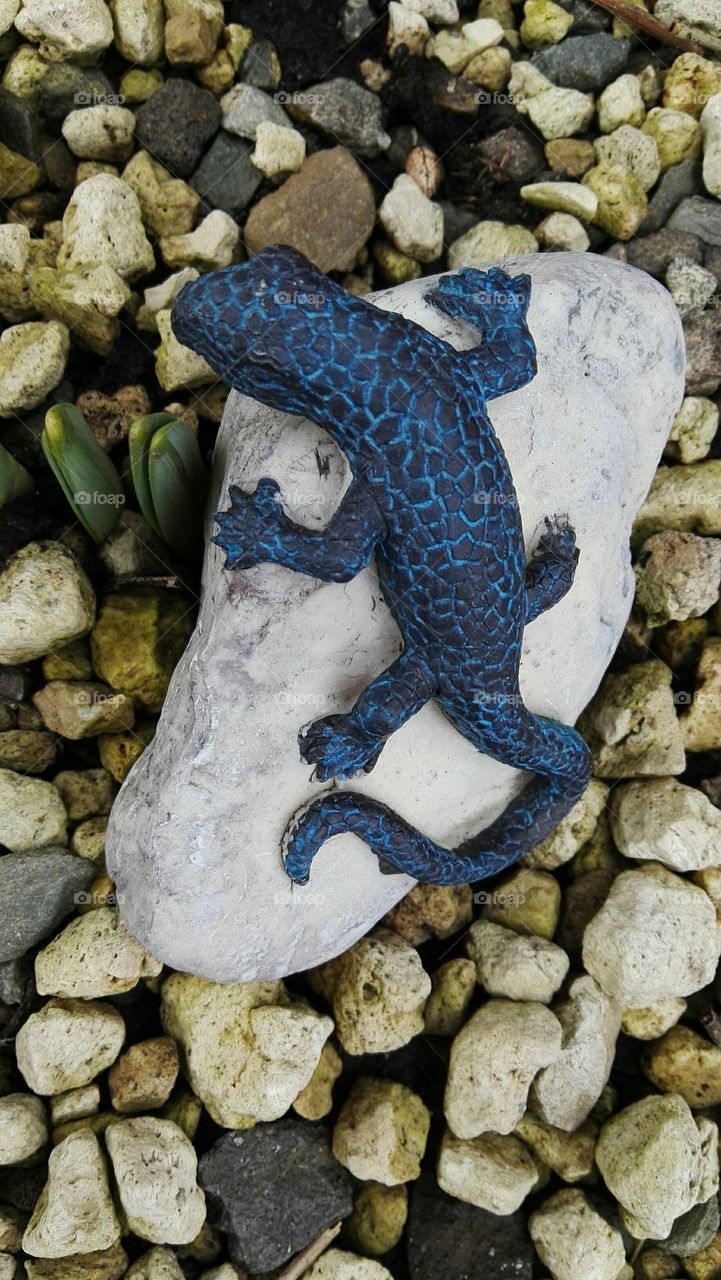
587, 62
513, 155
700, 217
703, 352
19, 122
277, 1186
693, 1231
176, 124
37, 891
66, 88
257, 67
226, 178
456, 1241
588, 18
678, 182
653, 253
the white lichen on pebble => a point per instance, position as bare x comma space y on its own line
155, 1169
494, 1059
75, 1212
67, 1043
276, 1045
94, 955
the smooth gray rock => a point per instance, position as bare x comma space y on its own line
587, 62
699, 216
194, 837
37, 892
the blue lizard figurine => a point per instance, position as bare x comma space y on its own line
432, 497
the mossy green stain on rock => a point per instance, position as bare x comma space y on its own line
138, 639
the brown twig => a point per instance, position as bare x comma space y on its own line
647, 23
307, 1256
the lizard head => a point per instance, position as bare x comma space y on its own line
264, 325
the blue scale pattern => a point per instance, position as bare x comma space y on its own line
433, 498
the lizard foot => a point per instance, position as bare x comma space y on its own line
559, 540
489, 300
338, 748
252, 517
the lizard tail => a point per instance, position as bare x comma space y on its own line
521, 826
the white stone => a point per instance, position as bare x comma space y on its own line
67, 1043
139, 28
32, 362
630, 148
75, 32
566, 197
664, 821
244, 107
494, 1060
440, 12
248, 1051
513, 965
155, 1169
339, 1264
23, 1127
693, 429
709, 1135
162, 1264
176, 366
32, 814
8, 14
75, 1211
702, 16
572, 832
46, 600
100, 132
14, 246
406, 27
651, 1157
690, 285
572, 1239
563, 232
456, 48
490, 242
93, 956
655, 936
621, 103
103, 224
224, 761
556, 112
388, 969
412, 222
277, 149
711, 134
493, 1171
210, 246
651, 1023
565, 1092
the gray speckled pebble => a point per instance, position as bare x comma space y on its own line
586, 62
37, 892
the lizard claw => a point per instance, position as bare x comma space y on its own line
251, 517
337, 748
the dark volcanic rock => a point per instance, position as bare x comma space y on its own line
226, 177
512, 155
653, 253
678, 182
260, 66
703, 352
278, 1186
176, 124
37, 892
693, 1231
456, 1241
587, 63
65, 88
700, 217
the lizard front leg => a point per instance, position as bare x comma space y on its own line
550, 572
256, 530
497, 304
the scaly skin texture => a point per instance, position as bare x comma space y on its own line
432, 497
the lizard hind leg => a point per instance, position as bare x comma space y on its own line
551, 569
341, 746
